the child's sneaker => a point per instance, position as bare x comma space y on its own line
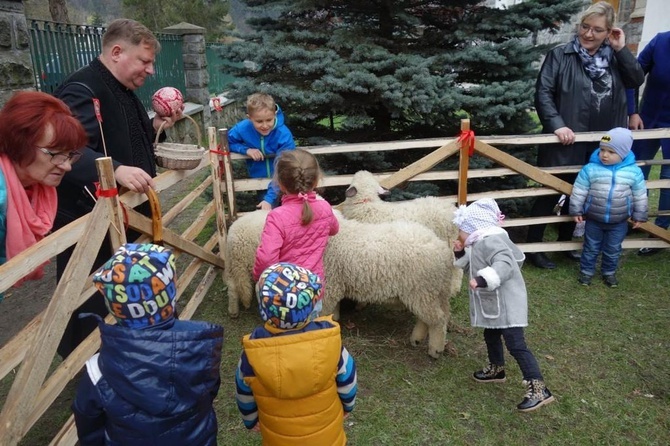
537, 395
611, 281
492, 373
584, 279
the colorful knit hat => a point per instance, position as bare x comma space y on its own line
481, 214
288, 296
138, 283
618, 139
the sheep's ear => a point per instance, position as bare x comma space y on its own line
351, 191
382, 191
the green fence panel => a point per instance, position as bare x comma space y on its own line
217, 67
59, 49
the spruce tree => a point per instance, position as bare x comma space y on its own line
386, 70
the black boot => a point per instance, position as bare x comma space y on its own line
540, 260
492, 373
537, 395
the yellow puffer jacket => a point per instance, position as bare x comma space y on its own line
295, 387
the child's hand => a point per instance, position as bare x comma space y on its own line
458, 245
637, 224
473, 284
256, 428
264, 205
578, 218
255, 154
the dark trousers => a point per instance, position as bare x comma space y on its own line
78, 328
516, 345
544, 206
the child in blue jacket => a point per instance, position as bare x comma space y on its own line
262, 137
608, 191
155, 377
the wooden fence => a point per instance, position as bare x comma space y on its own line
31, 352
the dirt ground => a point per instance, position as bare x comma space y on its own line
22, 304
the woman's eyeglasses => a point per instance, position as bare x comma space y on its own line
58, 158
596, 31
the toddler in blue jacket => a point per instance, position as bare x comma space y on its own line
608, 191
155, 377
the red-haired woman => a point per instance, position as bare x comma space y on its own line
39, 138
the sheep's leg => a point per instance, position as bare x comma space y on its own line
233, 301
418, 333
437, 335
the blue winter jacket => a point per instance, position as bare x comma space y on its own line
655, 62
243, 136
151, 387
3, 222
610, 194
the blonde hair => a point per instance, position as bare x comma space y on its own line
260, 101
297, 171
129, 31
600, 9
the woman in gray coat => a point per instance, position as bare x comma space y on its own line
581, 87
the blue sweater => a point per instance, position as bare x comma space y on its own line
655, 61
243, 136
151, 387
610, 193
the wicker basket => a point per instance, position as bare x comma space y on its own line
176, 156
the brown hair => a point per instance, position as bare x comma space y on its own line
297, 171
25, 118
600, 9
260, 101
130, 31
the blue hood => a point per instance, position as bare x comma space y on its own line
184, 356
627, 161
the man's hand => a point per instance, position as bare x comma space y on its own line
168, 120
635, 122
255, 154
565, 135
134, 179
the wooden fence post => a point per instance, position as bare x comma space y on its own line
220, 211
228, 173
463, 164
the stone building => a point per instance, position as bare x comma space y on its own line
15, 64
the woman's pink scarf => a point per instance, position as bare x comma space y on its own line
30, 214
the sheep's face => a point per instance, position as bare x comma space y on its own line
364, 187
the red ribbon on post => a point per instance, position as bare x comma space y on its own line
106, 193
468, 137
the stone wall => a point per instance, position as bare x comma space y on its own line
15, 64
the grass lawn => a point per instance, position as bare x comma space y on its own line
603, 352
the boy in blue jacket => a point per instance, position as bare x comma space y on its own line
608, 191
155, 377
262, 137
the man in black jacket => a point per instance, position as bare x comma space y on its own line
128, 54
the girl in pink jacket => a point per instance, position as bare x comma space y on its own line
297, 231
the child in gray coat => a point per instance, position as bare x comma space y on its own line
498, 300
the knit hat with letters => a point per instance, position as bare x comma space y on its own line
289, 296
618, 139
138, 283
481, 214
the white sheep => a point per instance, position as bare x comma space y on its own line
362, 203
372, 263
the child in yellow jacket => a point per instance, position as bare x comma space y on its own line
293, 369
